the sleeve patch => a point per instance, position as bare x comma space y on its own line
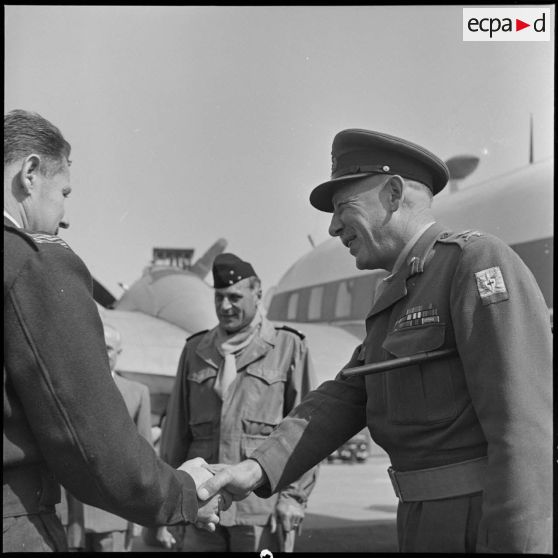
491, 286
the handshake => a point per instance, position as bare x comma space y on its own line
217, 486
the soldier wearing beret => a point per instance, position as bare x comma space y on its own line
469, 436
233, 386
65, 421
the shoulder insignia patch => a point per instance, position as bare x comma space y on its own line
41, 238
292, 330
196, 334
491, 286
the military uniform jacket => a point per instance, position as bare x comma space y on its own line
62, 409
274, 372
473, 293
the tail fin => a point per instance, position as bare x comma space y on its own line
202, 267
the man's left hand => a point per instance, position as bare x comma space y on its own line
288, 515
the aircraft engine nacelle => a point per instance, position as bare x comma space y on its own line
177, 296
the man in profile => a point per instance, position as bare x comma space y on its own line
64, 419
469, 435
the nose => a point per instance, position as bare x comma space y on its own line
225, 304
335, 227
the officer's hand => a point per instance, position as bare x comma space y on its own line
208, 510
237, 480
165, 538
288, 515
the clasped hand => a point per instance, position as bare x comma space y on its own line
208, 509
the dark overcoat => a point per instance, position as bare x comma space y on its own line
64, 419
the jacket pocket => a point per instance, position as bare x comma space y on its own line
248, 444
254, 432
201, 430
266, 374
420, 394
201, 375
202, 440
257, 427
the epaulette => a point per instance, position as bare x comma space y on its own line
460, 238
41, 238
196, 334
292, 330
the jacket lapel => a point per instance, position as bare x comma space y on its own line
396, 287
259, 346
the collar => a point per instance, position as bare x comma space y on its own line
396, 288
10, 218
260, 345
405, 252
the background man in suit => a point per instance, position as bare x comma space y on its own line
91, 529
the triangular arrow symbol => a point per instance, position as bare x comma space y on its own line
519, 25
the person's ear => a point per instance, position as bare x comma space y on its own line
394, 190
29, 173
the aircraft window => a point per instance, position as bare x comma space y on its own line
315, 304
292, 307
343, 301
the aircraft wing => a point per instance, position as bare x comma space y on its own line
151, 350
149, 345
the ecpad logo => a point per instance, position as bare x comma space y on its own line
506, 24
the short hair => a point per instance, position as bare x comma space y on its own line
422, 189
112, 335
27, 132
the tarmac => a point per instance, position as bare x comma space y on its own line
351, 509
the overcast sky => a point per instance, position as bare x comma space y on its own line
192, 123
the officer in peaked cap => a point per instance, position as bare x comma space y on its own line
469, 436
356, 154
229, 269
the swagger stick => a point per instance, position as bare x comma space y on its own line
401, 362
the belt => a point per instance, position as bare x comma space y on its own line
28, 490
436, 483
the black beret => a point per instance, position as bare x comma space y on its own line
359, 153
229, 269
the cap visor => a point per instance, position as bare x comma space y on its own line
322, 195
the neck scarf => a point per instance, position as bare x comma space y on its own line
230, 345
